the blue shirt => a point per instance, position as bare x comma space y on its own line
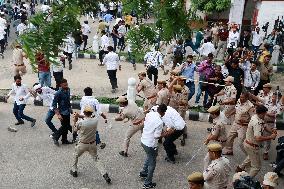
188, 71
108, 18
61, 101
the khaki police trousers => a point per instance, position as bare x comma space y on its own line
80, 148
132, 129
20, 70
267, 144
252, 160
236, 131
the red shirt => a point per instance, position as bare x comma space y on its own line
43, 65
223, 34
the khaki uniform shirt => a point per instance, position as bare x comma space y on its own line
183, 103
132, 112
174, 100
163, 96
87, 129
230, 92
217, 174
18, 57
243, 112
266, 99
255, 128
218, 128
148, 88
265, 71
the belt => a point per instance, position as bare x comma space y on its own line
251, 144
270, 122
138, 122
243, 124
19, 65
151, 97
88, 142
221, 141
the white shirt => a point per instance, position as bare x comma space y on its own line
111, 60
47, 95
111, 5
104, 42
121, 30
154, 58
45, 8
257, 39
86, 29
69, 44
233, 39
2, 33
58, 67
172, 119
21, 28
251, 78
153, 126
90, 101
3, 23
20, 92
207, 48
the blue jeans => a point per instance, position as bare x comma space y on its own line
150, 163
191, 87
114, 38
198, 95
98, 140
18, 111
44, 79
131, 58
48, 121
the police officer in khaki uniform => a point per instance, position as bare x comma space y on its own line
254, 137
175, 96
264, 96
132, 112
244, 109
229, 99
218, 130
163, 93
87, 128
195, 180
217, 173
148, 89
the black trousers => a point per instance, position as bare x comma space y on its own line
2, 45
112, 78
63, 130
169, 145
69, 57
101, 54
152, 71
58, 76
85, 40
279, 161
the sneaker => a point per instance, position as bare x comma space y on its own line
74, 173
33, 123
70, 66
143, 175
106, 177
102, 145
170, 160
151, 185
134, 66
182, 142
113, 90
11, 129
265, 156
55, 141
123, 153
20, 123
66, 142
273, 164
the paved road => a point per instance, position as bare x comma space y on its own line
28, 158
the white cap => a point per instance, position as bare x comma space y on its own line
237, 176
271, 179
36, 87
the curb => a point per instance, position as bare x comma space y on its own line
278, 69
96, 56
204, 117
109, 108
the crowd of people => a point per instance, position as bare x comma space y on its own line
238, 95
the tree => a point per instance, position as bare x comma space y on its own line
210, 6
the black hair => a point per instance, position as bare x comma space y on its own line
86, 22
261, 109
110, 48
63, 81
88, 91
210, 55
162, 108
17, 77
209, 39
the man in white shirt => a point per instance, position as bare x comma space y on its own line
45, 8
21, 28
111, 60
257, 39
251, 76
103, 47
69, 47
207, 48
2, 41
233, 39
46, 94
57, 70
121, 33
85, 31
153, 60
21, 93
153, 126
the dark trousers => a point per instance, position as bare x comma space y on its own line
48, 120
152, 71
63, 130
150, 163
169, 145
121, 43
85, 40
114, 38
112, 78
69, 57
191, 87
101, 54
279, 162
18, 111
58, 76
2, 46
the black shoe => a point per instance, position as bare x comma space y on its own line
184, 136
55, 141
123, 153
176, 153
151, 185
70, 66
170, 160
20, 123
143, 175
106, 177
102, 145
33, 123
66, 142
160, 141
182, 142
209, 130
74, 173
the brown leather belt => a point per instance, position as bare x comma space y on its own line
251, 144
138, 122
221, 141
151, 97
19, 65
243, 124
88, 142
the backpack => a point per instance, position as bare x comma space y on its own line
247, 183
